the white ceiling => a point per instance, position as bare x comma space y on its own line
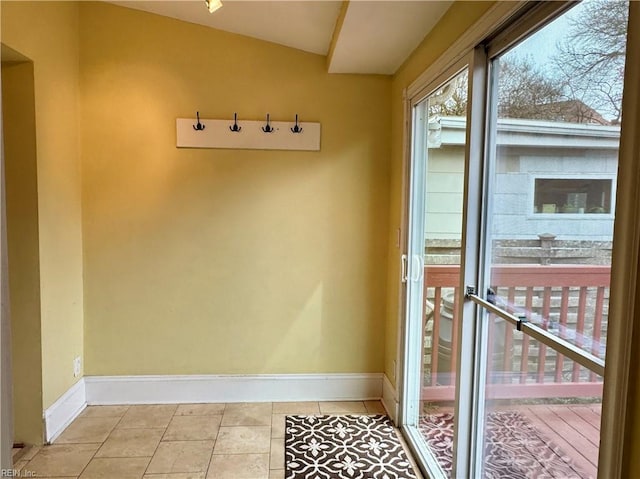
305, 25
375, 36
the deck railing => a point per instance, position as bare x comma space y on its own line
569, 300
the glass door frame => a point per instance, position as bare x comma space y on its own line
414, 290
611, 438
413, 279
615, 454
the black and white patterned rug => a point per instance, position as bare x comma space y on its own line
344, 447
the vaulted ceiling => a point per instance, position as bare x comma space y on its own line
359, 36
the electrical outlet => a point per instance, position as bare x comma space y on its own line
77, 366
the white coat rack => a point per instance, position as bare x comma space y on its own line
247, 134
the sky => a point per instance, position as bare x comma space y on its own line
542, 45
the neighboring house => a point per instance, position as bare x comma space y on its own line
549, 176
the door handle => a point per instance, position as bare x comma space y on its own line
419, 270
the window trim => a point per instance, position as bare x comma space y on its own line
535, 16
491, 21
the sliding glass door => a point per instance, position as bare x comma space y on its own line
511, 211
433, 265
550, 188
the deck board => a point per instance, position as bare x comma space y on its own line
577, 422
574, 429
588, 414
555, 429
559, 428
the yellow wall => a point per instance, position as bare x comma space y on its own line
227, 261
18, 107
458, 18
47, 33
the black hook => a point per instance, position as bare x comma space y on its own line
198, 126
268, 128
296, 129
235, 126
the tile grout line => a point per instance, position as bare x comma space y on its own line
96, 451
159, 442
206, 473
270, 441
108, 436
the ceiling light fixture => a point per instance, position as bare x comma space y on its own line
213, 5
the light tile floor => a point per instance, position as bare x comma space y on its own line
171, 441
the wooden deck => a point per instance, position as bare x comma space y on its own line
573, 428
568, 300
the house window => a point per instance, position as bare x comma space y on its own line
572, 195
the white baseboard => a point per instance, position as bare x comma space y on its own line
390, 399
104, 390
60, 414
